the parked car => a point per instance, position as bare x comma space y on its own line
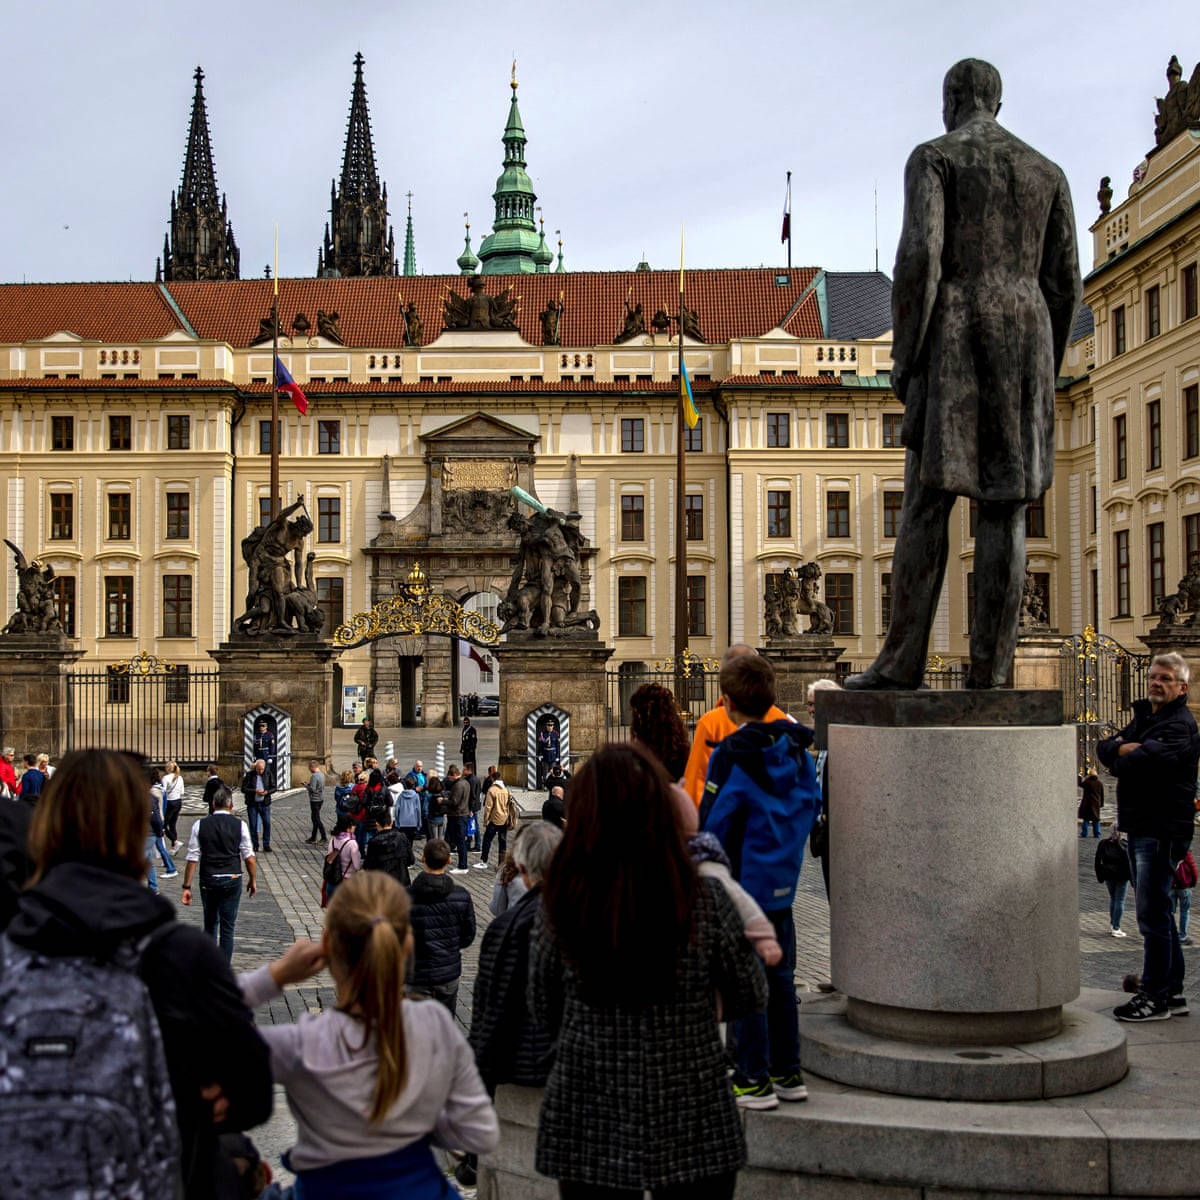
489, 706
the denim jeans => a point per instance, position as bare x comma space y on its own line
769, 1043
167, 861
494, 831
1095, 828
220, 899
437, 827
444, 993
152, 875
256, 813
1181, 906
1116, 902
459, 839
1152, 863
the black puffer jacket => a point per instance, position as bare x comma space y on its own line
443, 924
510, 1046
207, 1030
1156, 784
390, 851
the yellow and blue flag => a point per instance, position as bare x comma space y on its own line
691, 414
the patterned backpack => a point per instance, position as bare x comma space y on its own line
86, 1107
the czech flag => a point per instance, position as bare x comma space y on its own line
285, 383
691, 414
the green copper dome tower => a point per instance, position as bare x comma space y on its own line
512, 246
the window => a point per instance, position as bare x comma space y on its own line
633, 518
970, 600
1153, 313
179, 431
329, 519
1121, 546
120, 433
837, 514
779, 429
1095, 586
118, 606
62, 588
1095, 507
177, 685
62, 433
693, 437
779, 514
693, 511
892, 424
1153, 435
62, 516
331, 600
1187, 282
264, 437
837, 430
839, 595
264, 510
177, 606
1118, 322
1191, 540
972, 517
893, 501
631, 606
118, 687
1093, 417
1191, 421
179, 508
120, 516
633, 435
885, 601
1157, 563
697, 596
329, 437
1120, 448
1035, 518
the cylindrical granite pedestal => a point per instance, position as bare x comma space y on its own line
954, 905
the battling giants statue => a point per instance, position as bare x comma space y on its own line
37, 611
792, 595
280, 599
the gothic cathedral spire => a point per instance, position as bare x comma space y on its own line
200, 244
358, 240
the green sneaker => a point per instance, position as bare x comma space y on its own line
750, 1093
789, 1087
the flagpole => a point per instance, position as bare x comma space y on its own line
789, 218
275, 382
681, 602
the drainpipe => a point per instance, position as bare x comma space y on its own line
722, 411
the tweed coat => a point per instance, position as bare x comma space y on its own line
985, 292
639, 1097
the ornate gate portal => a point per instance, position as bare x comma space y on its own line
1100, 680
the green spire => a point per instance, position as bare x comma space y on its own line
560, 269
468, 264
410, 250
511, 247
543, 256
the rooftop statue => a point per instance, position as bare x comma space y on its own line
1179, 109
986, 290
635, 323
479, 310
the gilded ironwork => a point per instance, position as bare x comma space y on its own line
935, 662
689, 664
143, 663
1100, 679
413, 613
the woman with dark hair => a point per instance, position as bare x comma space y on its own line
656, 723
87, 899
634, 960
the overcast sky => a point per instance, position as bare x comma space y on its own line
639, 117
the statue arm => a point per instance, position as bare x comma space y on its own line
918, 261
1059, 276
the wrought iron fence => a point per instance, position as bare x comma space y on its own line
702, 679
941, 675
1100, 680
159, 709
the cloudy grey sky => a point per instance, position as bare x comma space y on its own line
639, 117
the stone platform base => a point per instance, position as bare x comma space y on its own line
1088, 1054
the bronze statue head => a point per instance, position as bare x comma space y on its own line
971, 87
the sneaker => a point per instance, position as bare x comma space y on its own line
1143, 1008
1119, 933
168, 874
754, 1094
1185, 941
1177, 1006
789, 1087
177, 846
481, 866
267, 850
458, 870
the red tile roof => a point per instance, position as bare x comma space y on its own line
785, 379
108, 312
342, 387
742, 302
92, 382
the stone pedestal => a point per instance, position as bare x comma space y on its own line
296, 676
799, 661
34, 683
1183, 640
567, 672
1037, 661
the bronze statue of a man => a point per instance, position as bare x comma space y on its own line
986, 287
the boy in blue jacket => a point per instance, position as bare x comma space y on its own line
760, 800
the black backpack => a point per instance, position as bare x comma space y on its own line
1112, 862
332, 871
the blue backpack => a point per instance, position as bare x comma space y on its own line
86, 1107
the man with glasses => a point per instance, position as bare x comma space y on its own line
1154, 759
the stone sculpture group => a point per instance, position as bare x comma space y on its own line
792, 595
37, 611
282, 596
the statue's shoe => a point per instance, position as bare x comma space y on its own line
874, 680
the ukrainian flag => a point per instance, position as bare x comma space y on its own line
691, 414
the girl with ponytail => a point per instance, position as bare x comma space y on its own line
375, 1082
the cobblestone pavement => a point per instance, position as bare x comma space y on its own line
287, 905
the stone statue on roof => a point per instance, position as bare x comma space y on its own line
327, 326
635, 323
300, 324
661, 321
413, 327
1104, 196
549, 317
691, 323
268, 330
1179, 109
479, 311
